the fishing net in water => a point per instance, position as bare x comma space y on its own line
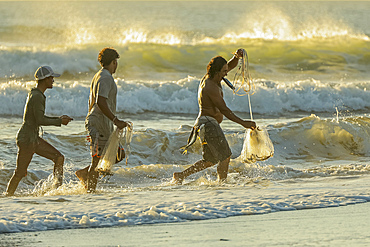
118, 147
257, 143
127, 139
257, 146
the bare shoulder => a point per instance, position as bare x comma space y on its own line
211, 87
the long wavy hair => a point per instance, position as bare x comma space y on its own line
215, 65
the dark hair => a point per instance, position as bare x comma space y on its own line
215, 65
107, 55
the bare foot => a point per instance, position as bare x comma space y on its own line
177, 178
56, 184
82, 175
221, 180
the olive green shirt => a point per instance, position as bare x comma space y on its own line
34, 117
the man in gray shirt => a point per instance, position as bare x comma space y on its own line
102, 114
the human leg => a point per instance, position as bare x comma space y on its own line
198, 166
215, 150
88, 176
222, 169
46, 150
92, 175
82, 175
24, 157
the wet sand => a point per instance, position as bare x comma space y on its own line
337, 226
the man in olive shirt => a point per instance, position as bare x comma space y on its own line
28, 140
212, 109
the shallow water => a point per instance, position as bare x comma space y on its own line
309, 63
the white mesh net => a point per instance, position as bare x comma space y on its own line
257, 146
109, 155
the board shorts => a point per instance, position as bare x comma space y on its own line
97, 141
214, 143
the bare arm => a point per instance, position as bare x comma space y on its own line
233, 62
103, 105
219, 102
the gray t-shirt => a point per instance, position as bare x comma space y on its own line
102, 85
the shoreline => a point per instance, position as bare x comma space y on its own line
334, 226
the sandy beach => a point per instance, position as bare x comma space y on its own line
339, 226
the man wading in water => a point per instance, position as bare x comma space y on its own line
212, 108
101, 116
28, 140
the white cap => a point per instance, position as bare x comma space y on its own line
44, 72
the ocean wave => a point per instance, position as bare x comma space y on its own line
310, 141
282, 39
317, 140
332, 59
272, 22
270, 98
300, 144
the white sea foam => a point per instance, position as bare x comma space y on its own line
167, 204
270, 98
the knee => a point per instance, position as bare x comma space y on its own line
228, 158
226, 161
208, 163
59, 159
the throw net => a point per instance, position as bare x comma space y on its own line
118, 147
257, 144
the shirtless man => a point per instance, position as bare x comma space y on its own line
212, 108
